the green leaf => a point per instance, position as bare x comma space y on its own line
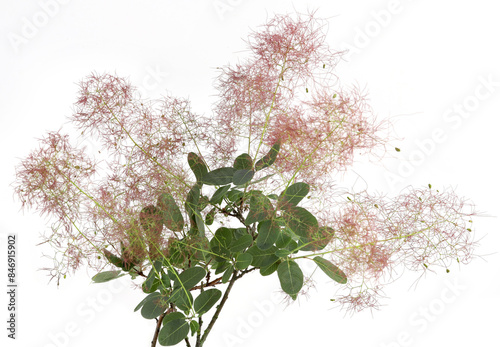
283, 253
206, 300
219, 244
262, 258
194, 326
200, 248
200, 223
190, 277
197, 166
193, 198
260, 208
221, 267
113, 259
243, 176
203, 202
269, 158
219, 195
317, 240
165, 280
243, 261
154, 305
173, 332
219, 177
209, 218
151, 219
292, 247
290, 276
283, 239
227, 274
331, 270
239, 232
300, 221
172, 216
223, 237
143, 301
234, 194
106, 276
268, 234
152, 281
294, 193
192, 208
268, 270
243, 162
273, 196
241, 243
182, 299
178, 254
172, 316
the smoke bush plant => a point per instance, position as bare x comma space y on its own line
190, 204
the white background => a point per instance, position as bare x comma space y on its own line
417, 59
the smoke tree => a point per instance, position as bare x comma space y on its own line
186, 205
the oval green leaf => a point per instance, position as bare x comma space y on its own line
154, 305
243, 162
263, 258
194, 326
189, 277
331, 270
113, 259
204, 302
268, 234
260, 208
173, 332
227, 274
172, 316
294, 193
243, 261
106, 276
241, 244
243, 176
182, 298
268, 270
172, 216
219, 177
269, 158
300, 221
219, 195
291, 277
283, 253
143, 301
197, 166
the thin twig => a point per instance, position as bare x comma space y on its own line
157, 330
219, 308
209, 284
198, 333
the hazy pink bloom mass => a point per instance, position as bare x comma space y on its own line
285, 92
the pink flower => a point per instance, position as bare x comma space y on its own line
421, 230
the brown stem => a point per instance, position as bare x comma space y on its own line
157, 330
219, 308
198, 333
245, 272
209, 284
187, 342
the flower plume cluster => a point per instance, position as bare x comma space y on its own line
284, 108
286, 91
420, 230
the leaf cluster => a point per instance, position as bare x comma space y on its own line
273, 230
